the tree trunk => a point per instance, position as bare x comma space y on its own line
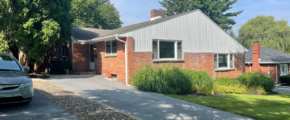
21, 58
36, 65
27, 61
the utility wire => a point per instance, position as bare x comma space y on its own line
278, 34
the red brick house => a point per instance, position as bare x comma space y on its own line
189, 40
268, 61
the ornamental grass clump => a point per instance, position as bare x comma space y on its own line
228, 85
165, 79
256, 80
201, 81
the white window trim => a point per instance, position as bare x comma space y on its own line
110, 47
286, 67
175, 50
229, 61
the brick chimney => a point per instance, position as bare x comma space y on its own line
156, 13
256, 57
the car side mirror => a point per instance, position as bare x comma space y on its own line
26, 68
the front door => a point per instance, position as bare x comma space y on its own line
92, 57
283, 69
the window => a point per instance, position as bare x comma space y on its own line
8, 63
223, 61
283, 69
64, 50
163, 49
111, 47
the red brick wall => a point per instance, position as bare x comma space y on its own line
80, 57
195, 61
110, 65
239, 65
265, 69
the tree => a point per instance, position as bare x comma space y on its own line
269, 32
232, 33
3, 45
33, 25
214, 9
110, 17
86, 13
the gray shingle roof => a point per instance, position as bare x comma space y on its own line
268, 55
91, 33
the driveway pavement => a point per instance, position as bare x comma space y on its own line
144, 105
283, 89
40, 108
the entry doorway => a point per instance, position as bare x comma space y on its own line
92, 57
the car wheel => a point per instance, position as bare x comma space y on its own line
26, 103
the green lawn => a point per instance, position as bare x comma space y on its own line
262, 107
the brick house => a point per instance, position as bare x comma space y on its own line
189, 40
268, 61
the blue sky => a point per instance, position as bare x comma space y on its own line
136, 11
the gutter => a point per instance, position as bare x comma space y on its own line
126, 60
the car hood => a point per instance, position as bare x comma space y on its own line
12, 77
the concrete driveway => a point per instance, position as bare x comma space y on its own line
40, 108
144, 105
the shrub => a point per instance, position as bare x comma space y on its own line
201, 81
229, 85
258, 90
165, 79
285, 79
255, 79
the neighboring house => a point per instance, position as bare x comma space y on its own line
189, 40
268, 61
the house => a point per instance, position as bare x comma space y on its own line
189, 40
268, 61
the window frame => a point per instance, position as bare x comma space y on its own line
175, 49
111, 46
228, 61
286, 69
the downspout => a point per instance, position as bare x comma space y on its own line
250, 67
276, 75
126, 63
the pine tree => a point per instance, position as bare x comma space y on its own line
214, 9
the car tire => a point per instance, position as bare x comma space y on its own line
26, 103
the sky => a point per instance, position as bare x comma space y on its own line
136, 11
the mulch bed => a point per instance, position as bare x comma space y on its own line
34, 75
80, 106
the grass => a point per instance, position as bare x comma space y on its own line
261, 107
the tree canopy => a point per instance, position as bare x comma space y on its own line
96, 14
214, 9
35, 24
269, 32
110, 17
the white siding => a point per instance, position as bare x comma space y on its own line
196, 30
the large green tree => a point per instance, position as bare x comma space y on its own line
96, 14
110, 17
215, 9
269, 32
86, 13
33, 25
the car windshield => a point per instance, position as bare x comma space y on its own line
8, 63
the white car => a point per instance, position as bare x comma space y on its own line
15, 85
